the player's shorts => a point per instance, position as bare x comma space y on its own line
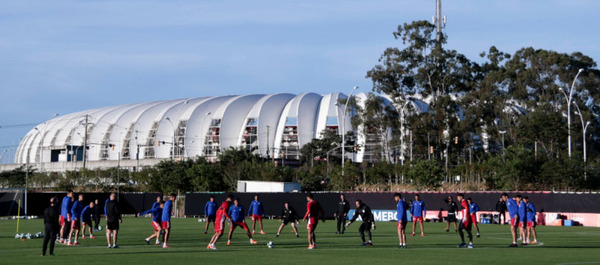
530, 224
401, 225
418, 219
287, 221
474, 218
256, 217
514, 221
451, 217
211, 218
220, 223
312, 224
61, 220
87, 222
114, 225
165, 224
464, 226
156, 226
75, 224
241, 224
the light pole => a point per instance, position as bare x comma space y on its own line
201, 123
344, 128
328, 158
402, 117
503, 133
173, 143
178, 119
569, 99
584, 126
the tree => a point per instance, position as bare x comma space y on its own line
426, 174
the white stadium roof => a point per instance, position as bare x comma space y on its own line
276, 124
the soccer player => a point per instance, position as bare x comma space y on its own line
473, 209
236, 211
76, 220
222, 214
51, 225
341, 214
258, 211
522, 212
113, 219
86, 219
65, 216
513, 213
530, 221
157, 202
465, 221
156, 221
419, 213
166, 218
210, 212
97, 213
313, 209
368, 221
402, 219
452, 209
288, 216
501, 209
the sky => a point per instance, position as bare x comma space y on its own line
67, 56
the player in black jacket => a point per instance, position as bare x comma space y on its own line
452, 209
288, 216
51, 226
113, 219
368, 221
341, 214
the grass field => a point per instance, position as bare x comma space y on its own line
560, 245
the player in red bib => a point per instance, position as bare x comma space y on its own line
465, 221
222, 215
313, 209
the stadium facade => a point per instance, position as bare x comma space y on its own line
274, 126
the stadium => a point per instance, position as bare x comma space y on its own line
274, 126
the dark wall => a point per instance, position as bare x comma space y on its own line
129, 203
273, 202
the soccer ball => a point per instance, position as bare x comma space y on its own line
270, 244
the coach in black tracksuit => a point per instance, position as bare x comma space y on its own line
368, 221
97, 213
341, 214
51, 226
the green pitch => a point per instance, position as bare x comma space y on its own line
188, 246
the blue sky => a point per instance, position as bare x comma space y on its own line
67, 56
